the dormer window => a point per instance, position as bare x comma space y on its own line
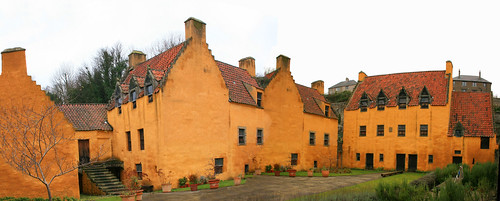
425, 99
363, 102
458, 131
259, 99
149, 92
327, 108
381, 101
133, 97
118, 104
402, 99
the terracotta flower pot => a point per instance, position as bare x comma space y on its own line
128, 197
214, 183
277, 173
258, 171
237, 181
138, 195
325, 173
292, 172
194, 187
166, 188
310, 173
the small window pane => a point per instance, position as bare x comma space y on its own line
327, 139
362, 130
219, 165
141, 138
138, 169
401, 130
259, 99
485, 142
431, 158
129, 141
294, 159
380, 130
358, 157
424, 130
312, 138
241, 136
381, 159
260, 135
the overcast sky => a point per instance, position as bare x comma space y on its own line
326, 40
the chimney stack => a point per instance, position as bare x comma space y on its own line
248, 64
135, 58
479, 74
319, 86
449, 69
195, 29
346, 79
361, 76
283, 63
14, 61
458, 73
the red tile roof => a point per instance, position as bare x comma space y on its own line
413, 82
86, 117
308, 96
474, 111
235, 78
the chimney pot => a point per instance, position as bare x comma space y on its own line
135, 58
248, 64
361, 76
479, 74
319, 86
14, 61
283, 63
346, 79
195, 29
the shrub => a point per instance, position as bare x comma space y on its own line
277, 167
182, 181
428, 180
480, 171
454, 191
400, 192
268, 168
193, 179
447, 172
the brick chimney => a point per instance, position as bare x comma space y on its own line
135, 58
248, 64
449, 68
361, 76
283, 63
14, 61
195, 29
319, 86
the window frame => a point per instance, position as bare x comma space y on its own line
242, 136
402, 95
149, 93
292, 161
425, 98
327, 110
218, 166
464, 84
141, 138
401, 130
138, 170
380, 130
364, 102
259, 99
381, 158
422, 131
474, 84
381, 101
129, 140
312, 138
362, 131
430, 159
133, 98
358, 157
260, 135
485, 143
326, 139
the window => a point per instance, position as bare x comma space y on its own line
138, 169
133, 97
362, 131
424, 130
327, 109
315, 164
294, 159
474, 84
312, 138
458, 152
402, 99
118, 104
260, 135
363, 102
425, 98
381, 158
453, 82
381, 101
141, 138
259, 99
327, 139
464, 90
431, 158
129, 141
219, 165
242, 136
380, 130
484, 84
459, 132
464, 84
358, 157
149, 92
485, 142
401, 130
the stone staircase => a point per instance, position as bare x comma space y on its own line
104, 179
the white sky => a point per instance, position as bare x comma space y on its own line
326, 40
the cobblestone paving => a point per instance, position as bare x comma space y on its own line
267, 188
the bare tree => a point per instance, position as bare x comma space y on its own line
63, 81
164, 44
32, 139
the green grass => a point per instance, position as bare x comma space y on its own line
222, 183
318, 174
99, 198
362, 188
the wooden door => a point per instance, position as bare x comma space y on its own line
457, 159
369, 161
83, 151
400, 162
412, 162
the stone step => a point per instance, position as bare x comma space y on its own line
104, 180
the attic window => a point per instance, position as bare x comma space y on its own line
149, 92
458, 131
327, 108
118, 104
133, 97
363, 102
259, 99
425, 99
402, 99
381, 101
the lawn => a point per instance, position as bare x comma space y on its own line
99, 198
318, 174
223, 183
361, 190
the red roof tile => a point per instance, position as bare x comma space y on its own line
235, 78
308, 96
86, 117
474, 111
413, 82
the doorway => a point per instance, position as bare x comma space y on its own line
412, 162
83, 151
400, 162
457, 159
369, 161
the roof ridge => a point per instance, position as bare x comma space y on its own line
400, 73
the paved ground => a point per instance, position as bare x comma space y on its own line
267, 188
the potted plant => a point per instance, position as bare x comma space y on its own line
128, 195
256, 163
193, 182
325, 172
237, 180
291, 172
211, 175
131, 180
269, 168
183, 182
166, 186
277, 169
310, 172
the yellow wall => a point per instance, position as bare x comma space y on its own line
18, 90
99, 143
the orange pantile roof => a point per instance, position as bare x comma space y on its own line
308, 96
235, 79
413, 82
86, 117
474, 111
